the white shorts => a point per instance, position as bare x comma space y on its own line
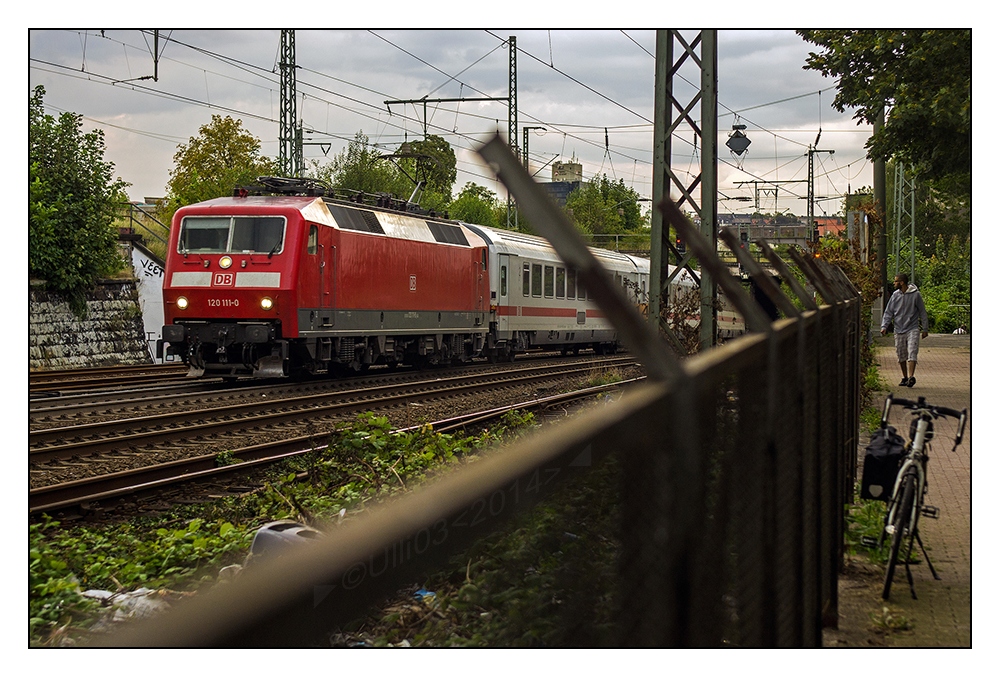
907, 345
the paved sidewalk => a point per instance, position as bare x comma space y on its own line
942, 614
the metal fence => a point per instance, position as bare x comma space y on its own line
734, 466
138, 221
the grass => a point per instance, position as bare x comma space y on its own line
184, 549
603, 377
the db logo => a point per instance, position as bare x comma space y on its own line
223, 279
413, 283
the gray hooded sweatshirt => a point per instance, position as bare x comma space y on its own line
905, 311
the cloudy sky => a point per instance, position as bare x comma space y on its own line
592, 91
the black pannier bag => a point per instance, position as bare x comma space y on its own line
883, 456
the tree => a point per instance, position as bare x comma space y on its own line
923, 78
435, 164
222, 157
603, 207
945, 281
360, 168
479, 205
73, 199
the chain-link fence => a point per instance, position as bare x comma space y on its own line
734, 466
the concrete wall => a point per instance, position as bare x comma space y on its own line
111, 334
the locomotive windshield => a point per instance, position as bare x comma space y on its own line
231, 234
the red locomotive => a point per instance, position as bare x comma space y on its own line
298, 282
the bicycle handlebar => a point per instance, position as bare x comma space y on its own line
935, 411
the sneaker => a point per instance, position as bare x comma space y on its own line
910, 381
905, 382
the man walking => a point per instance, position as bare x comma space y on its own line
906, 312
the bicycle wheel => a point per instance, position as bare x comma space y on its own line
900, 524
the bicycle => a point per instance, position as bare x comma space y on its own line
906, 504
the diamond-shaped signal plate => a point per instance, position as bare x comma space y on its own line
738, 142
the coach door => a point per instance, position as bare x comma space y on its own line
505, 282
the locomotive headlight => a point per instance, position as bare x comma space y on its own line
225, 262
266, 303
182, 302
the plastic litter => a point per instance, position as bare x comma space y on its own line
136, 604
425, 595
277, 538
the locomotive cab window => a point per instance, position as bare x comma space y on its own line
204, 234
260, 234
231, 234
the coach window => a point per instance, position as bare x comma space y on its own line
526, 285
503, 280
560, 283
549, 281
581, 291
313, 246
536, 279
571, 284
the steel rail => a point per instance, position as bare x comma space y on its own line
46, 382
154, 478
66, 442
80, 403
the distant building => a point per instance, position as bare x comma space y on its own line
566, 177
829, 225
560, 190
571, 171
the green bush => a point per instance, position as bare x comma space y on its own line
72, 203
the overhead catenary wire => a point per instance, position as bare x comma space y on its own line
368, 110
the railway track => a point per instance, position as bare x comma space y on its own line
205, 468
134, 433
54, 383
108, 394
63, 408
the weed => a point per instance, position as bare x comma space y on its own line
871, 419
224, 458
865, 520
364, 461
603, 377
888, 621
